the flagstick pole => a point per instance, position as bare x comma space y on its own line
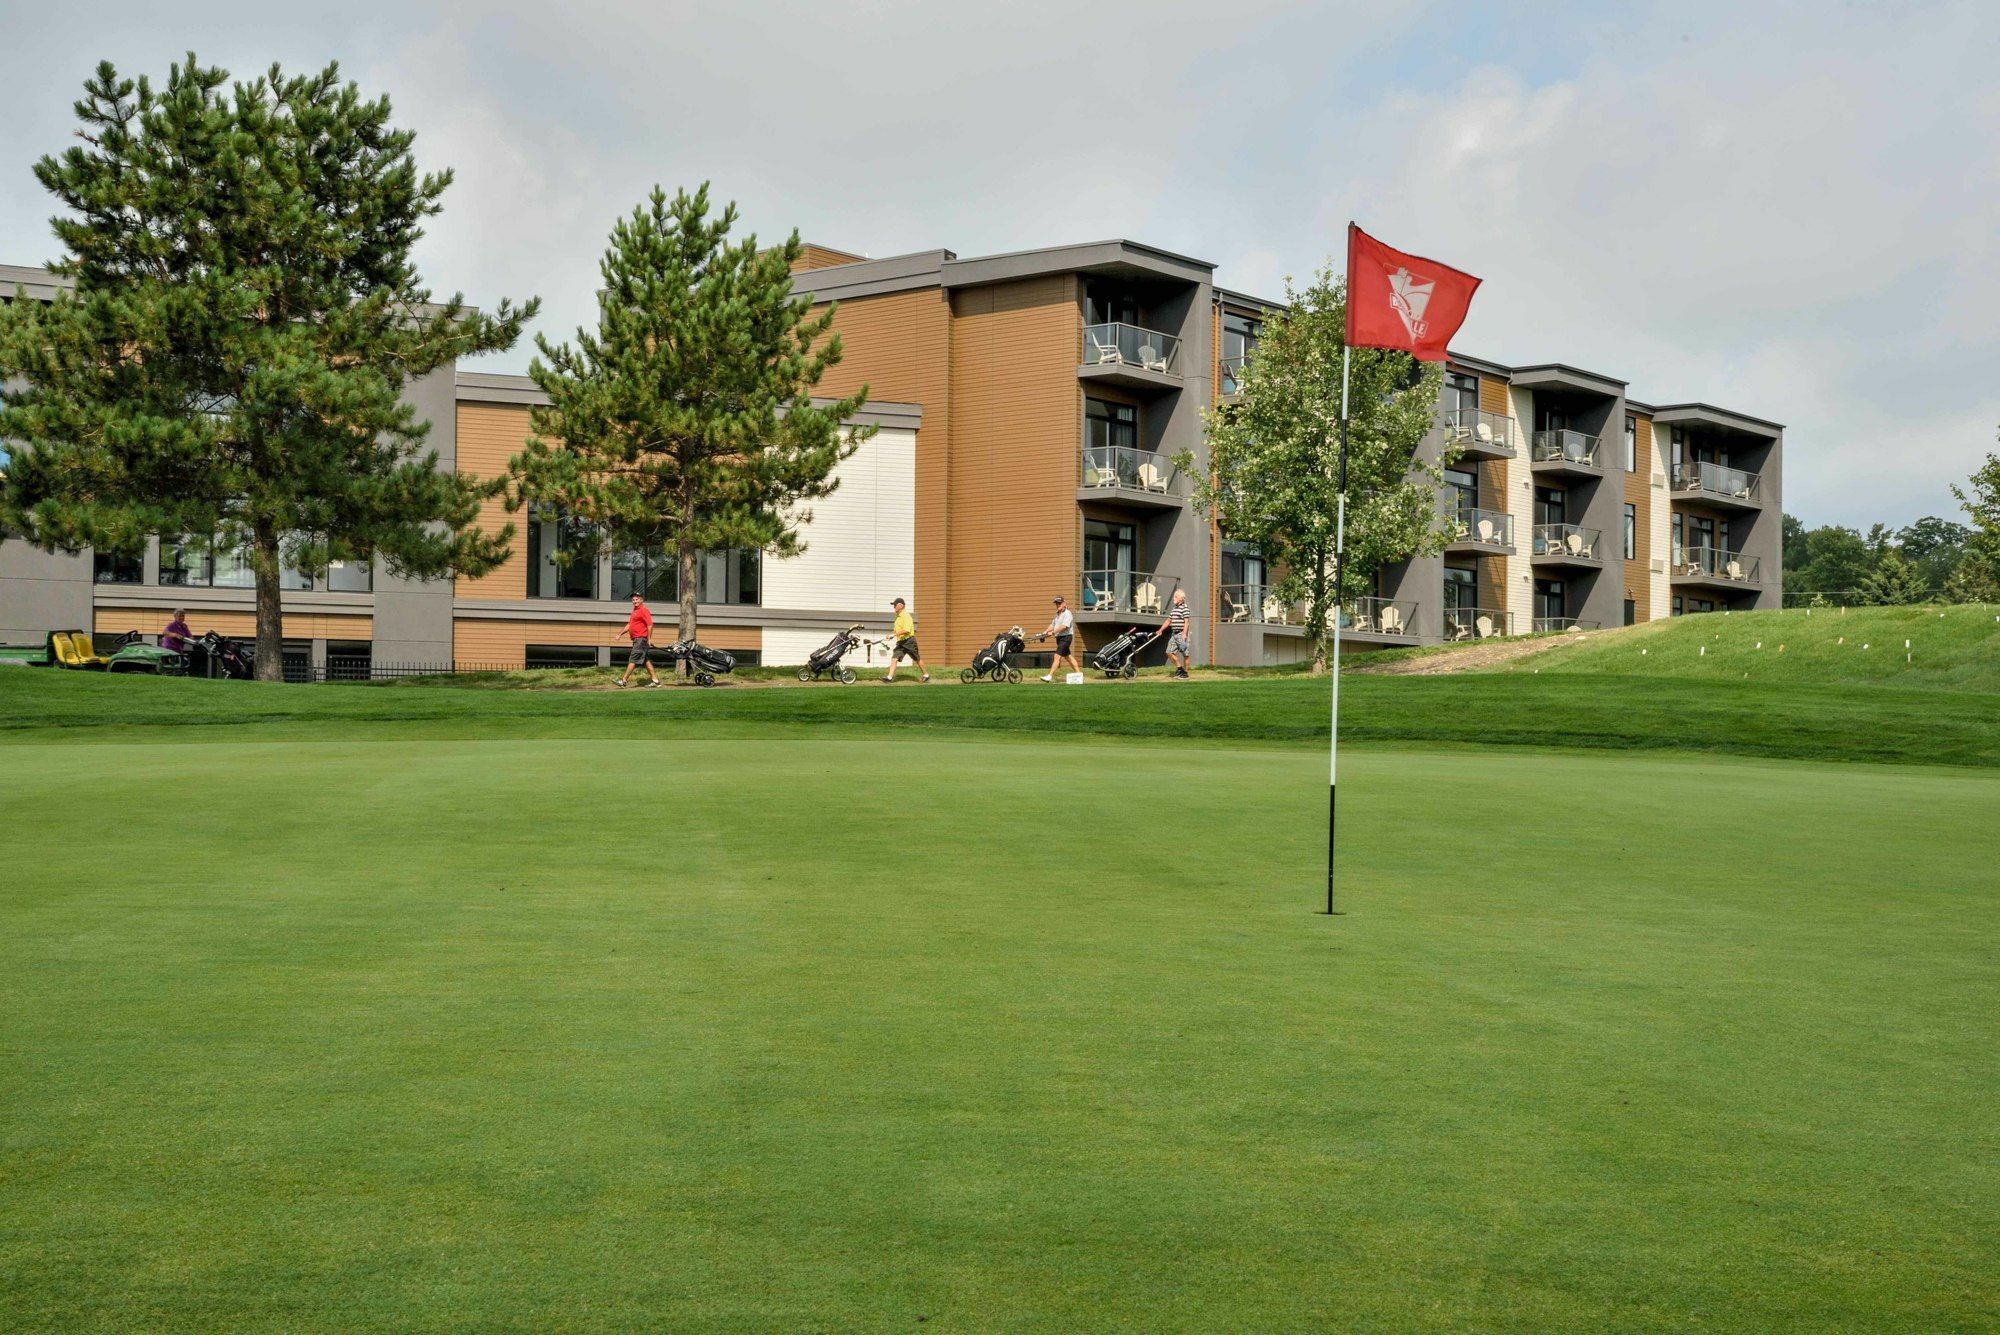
1339, 561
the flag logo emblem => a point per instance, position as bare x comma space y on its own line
1411, 296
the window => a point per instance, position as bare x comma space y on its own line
1631, 532
734, 575
1463, 488
116, 567
647, 571
1461, 395
1631, 613
1108, 546
731, 576
548, 534
350, 576
1551, 505
1106, 303
184, 565
1551, 600
349, 660
184, 562
1242, 567
1239, 337
561, 656
1110, 425
1461, 589
1631, 443
1551, 419
1679, 541
1701, 531
1723, 536
1677, 605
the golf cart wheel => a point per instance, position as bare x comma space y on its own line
1013, 676
805, 674
1129, 671
968, 676
847, 676
704, 679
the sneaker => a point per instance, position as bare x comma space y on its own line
619, 684
1050, 677
652, 685
925, 677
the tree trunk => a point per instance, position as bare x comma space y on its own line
270, 609
688, 589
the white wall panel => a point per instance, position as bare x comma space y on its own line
861, 541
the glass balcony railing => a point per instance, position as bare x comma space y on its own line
1379, 616
1565, 447
1572, 540
1706, 479
1488, 528
1120, 466
1714, 563
1142, 593
1476, 623
1130, 345
1257, 604
1478, 429
1547, 625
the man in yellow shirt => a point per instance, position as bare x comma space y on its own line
904, 636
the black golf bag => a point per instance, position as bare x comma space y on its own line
825, 660
703, 663
1119, 658
992, 662
216, 655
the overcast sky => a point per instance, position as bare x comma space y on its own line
1789, 209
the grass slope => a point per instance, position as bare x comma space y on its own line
837, 1033
1481, 711
1949, 648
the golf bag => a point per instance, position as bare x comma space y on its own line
216, 655
992, 663
825, 660
1119, 658
703, 663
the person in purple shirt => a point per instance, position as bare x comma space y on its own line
177, 634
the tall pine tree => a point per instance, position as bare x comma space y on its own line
229, 365
686, 421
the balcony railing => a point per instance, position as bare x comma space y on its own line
1714, 563
1127, 592
1478, 428
1548, 625
1476, 623
1115, 466
1380, 616
1129, 345
1232, 374
1707, 479
1565, 447
1257, 604
1566, 540
1488, 528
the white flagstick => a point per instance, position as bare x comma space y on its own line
1339, 552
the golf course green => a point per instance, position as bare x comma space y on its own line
421, 1007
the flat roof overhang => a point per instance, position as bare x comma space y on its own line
1112, 259
1717, 419
1555, 375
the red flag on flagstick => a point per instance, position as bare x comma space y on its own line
1399, 301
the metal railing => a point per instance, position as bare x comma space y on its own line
1130, 345
1257, 604
1707, 479
1572, 540
1113, 466
1477, 427
1476, 623
1128, 592
1232, 374
1488, 528
1547, 625
1380, 616
1565, 447
1715, 563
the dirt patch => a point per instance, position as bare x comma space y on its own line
1474, 657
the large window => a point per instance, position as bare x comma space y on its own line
1631, 443
649, 572
116, 567
1462, 488
1701, 531
1110, 425
1631, 532
1551, 505
1108, 546
1551, 600
1679, 526
1242, 567
731, 576
547, 578
350, 576
1239, 337
1461, 393
561, 656
1461, 589
196, 565
1107, 303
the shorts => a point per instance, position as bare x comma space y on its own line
638, 654
1063, 642
1178, 644
906, 649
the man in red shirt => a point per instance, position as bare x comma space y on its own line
639, 628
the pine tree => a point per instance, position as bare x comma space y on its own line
1972, 582
1894, 582
244, 317
1273, 470
686, 421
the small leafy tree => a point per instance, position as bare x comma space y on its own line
1273, 456
686, 421
244, 319
1894, 582
1936, 547
1972, 582
1980, 499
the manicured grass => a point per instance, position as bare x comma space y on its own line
1948, 648
392, 1027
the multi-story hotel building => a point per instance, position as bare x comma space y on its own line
1028, 408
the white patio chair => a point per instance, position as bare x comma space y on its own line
1152, 358
1456, 629
1392, 620
1483, 433
1735, 570
1573, 543
1104, 349
1483, 627
1146, 598
1098, 599
1152, 477
1274, 610
1233, 611
1489, 532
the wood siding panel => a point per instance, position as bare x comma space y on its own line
1017, 428
488, 436
822, 257
478, 641
241, 625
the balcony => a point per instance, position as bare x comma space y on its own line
1380, 620
1711, 567
1128, 355
1258, 605
1570, 452
1566, 545
1476, 623
1231, 382
1127, 476
1475, 530
1480, 434
1554, 625
1123, 595
1729, 488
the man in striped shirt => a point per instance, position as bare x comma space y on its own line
1177, 636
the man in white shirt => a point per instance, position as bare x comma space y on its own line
1063, 627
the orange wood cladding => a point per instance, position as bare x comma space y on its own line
1639, 495
488, 436
478, 640
242, 625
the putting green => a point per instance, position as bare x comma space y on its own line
831, 1033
